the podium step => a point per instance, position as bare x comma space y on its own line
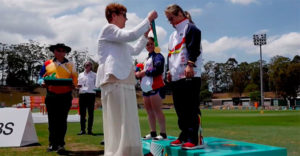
213, 147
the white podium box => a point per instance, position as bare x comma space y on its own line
16, 127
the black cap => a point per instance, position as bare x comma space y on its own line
60, 45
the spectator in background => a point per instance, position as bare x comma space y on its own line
87, 95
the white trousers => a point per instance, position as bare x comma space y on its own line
121, 126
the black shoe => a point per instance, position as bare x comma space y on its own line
90, 133
52, 148
81, 133
102, 142
61, 150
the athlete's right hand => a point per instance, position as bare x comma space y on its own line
169, 76
152, 15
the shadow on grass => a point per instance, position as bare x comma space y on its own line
97, 134
82, 153
34, 144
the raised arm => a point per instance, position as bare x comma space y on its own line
116, 34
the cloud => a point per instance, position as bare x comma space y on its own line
243, 49
53, 7
243, 2
210, 5
285, 45
11, 38
195, 12
263, 31
79, 30
14, 20
226, 43
76, 23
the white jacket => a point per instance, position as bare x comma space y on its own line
115, 53
179, 57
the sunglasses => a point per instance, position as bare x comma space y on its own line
149, 44
124, 15
61, 50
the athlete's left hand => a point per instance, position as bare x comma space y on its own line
140, 74
189, 71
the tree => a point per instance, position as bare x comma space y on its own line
255, 75
292, 86
3, 62
219, 78
240, 77
21, 63
32, 56
255, 96
78, 57
296, 59
230, 66
277, 72
210, 74
205, 94
251, 87
285, 76
17, 74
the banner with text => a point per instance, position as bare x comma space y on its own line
16, 127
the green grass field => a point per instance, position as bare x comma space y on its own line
275, 128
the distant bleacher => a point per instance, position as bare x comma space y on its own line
38, 102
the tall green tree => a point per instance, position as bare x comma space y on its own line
296, 59
241, 77
210, 73
285, 75
219, 78
293, 81
278, 74
255, 76
78, 57
205, 94
3, 62
230, 66
17, 74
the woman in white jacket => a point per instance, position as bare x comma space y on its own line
115, 77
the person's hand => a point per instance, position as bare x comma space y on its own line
189, 71
152, 15
146, 33
140, 74
41, 81
169, 76
44, 85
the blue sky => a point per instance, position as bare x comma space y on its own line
227, 25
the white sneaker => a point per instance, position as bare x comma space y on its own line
147, 137
160, 138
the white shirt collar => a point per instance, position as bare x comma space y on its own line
181, 25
